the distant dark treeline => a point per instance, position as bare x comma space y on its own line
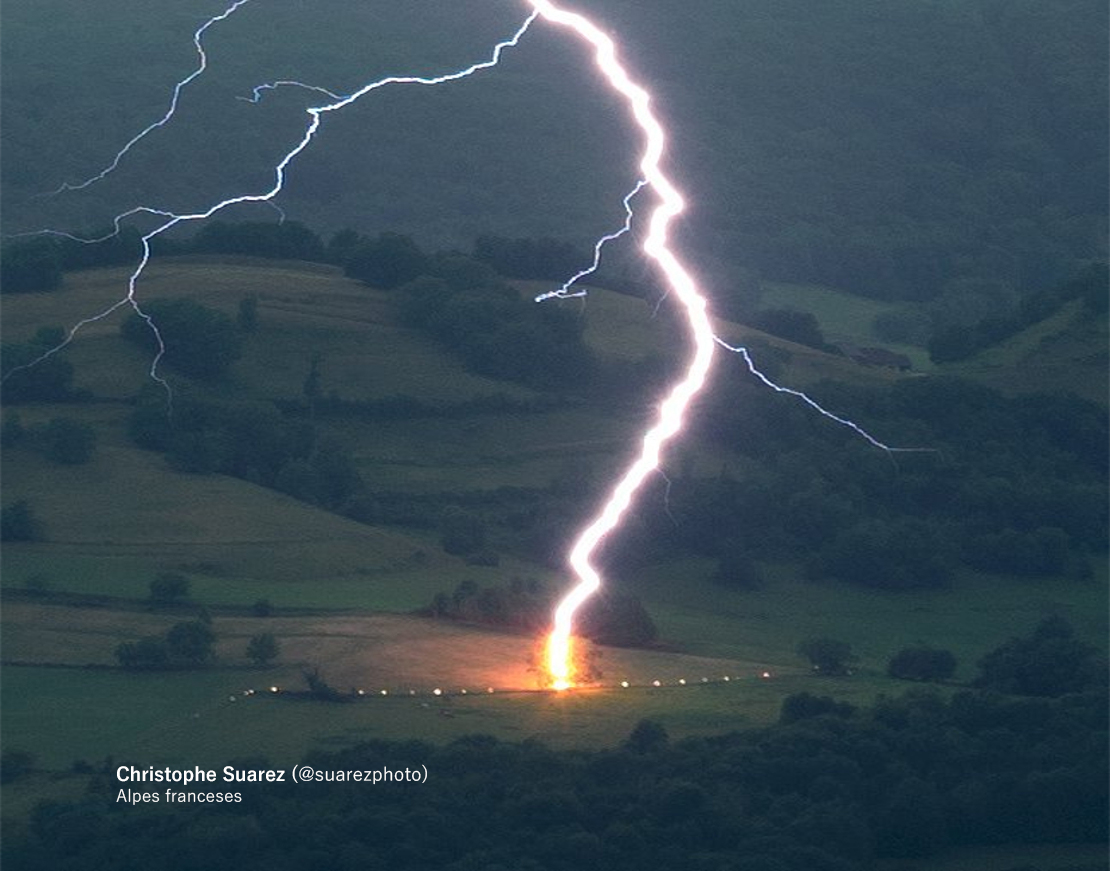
957, 324
833, 792
1008, 485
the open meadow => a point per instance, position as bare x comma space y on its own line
343, 592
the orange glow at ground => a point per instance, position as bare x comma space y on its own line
565, 663
556, 668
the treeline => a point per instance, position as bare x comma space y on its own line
954, 323
612, 616
825, 789
38, 264
251, 440
917, 149
460, 300
957, 341
469, 309
1008, 485
33, 372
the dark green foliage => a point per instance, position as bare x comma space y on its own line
262, 608
522, 604
826, 793
492, 328
1050, 662
958, 341
386, 262
12, 431
801, 706
169, 588
827, 655
796, 326
1042, 551
262, 648
922, 663
461, 532
190, 642
19, 523
150, 426
618, 618
246, 319
29, 376
30, 266
341, 244
647, 737
912, 821
1008, 485
249, 440
67, 441
150, 652
15, 764
547, 259
319, 688
894, 555
327, 478
286, 240
199, 342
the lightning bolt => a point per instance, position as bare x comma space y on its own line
679, 281
656, 246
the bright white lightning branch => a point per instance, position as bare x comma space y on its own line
824, 412
202, 65
564, 291
678, 280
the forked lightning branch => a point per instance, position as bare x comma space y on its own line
654, 229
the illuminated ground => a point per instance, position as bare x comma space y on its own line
371, 652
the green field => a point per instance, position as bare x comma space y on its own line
116, 522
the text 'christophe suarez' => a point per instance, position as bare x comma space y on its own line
230, 774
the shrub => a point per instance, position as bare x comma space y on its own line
168, 588
922, 663
262, 648
827, 655
199, 342
190, 642
18, 523
801, 706
67, 441
146, 653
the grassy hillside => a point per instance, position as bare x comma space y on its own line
116, 522
1066, 352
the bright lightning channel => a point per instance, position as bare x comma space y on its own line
558, 653
172, 219
681, 283
656, 246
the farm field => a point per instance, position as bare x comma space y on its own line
346, 599
116, 522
